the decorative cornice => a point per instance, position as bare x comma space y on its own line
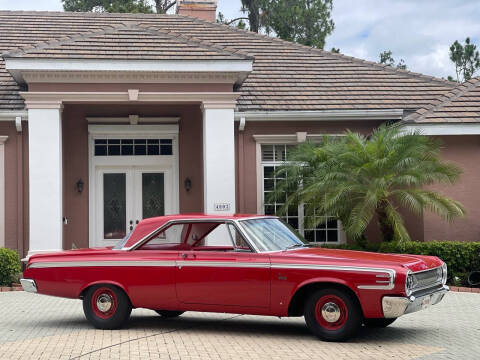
44, 104
128, 120
219, 104
43, 99
129, 77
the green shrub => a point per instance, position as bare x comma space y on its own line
9, 266
461, 257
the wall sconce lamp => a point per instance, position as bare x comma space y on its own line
188, 184
80, 184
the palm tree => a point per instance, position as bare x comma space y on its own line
358, 178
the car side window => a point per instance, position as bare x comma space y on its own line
218, 237
238, 240
171, 235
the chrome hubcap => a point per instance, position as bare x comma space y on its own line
104, 303
331, 312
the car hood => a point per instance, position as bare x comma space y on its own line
317, 255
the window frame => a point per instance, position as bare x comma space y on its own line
286, 140
170, 223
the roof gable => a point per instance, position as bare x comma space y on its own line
126, 42
460, 105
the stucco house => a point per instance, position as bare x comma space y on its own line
106, 119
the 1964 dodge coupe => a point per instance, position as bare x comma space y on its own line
238, 264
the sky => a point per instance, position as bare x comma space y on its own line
418, 31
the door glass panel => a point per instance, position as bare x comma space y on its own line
114, 206
153, 195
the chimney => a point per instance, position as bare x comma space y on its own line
200, 9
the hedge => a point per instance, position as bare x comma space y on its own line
9, 266
461, 257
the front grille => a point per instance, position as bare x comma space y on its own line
427, 279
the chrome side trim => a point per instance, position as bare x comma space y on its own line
40, 265
29, 285
189, 263
390, 273
200, 263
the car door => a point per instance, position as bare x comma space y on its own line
223, 271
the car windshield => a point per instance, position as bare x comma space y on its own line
272, 234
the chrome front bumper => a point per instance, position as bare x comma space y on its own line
29, 285
395, 306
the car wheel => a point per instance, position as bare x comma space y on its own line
169, 314
378, 322
106, 306
333, 314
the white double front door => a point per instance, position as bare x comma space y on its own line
133, 176
127, 195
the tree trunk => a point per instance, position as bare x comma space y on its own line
253, 10
386, 228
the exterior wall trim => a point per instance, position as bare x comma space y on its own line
444, 129
18, 66
40, 99
321, 115
3, 139
149, 77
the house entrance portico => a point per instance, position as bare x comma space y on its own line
124, 189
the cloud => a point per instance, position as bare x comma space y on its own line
418, 31
30, 5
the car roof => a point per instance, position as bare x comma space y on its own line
147, 226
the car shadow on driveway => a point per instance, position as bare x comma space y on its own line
242, 325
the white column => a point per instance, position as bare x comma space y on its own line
219, 157
45, 177
3, 139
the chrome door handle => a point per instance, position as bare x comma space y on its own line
184, 256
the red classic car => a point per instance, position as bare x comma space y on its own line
238, 264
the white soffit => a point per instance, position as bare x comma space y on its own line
444, 129
320, 115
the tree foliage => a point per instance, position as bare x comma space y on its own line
466, 59
237, 22
122, 6
359, 179
307, 22
386, 57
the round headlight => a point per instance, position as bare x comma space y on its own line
409, 283
444, 273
